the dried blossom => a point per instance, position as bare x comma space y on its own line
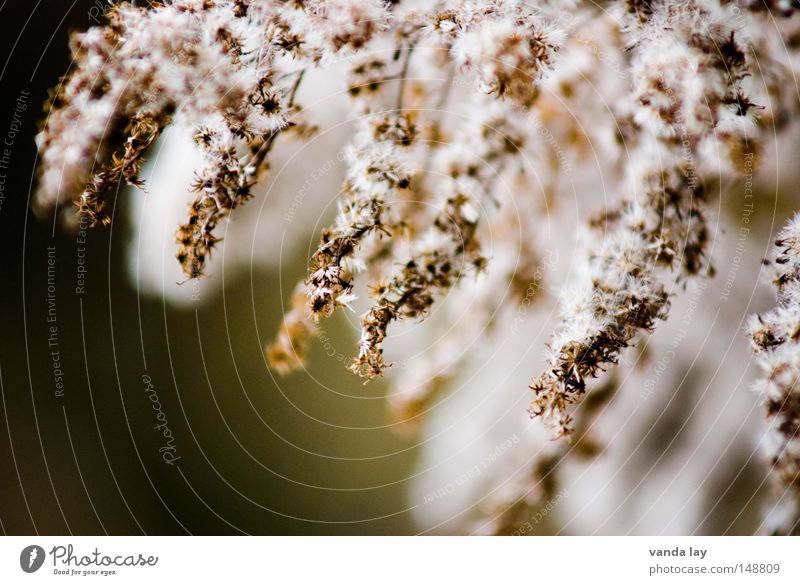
503, 43
142, 131
288, 352
661, 228
378, 162
451, 248
375, 171
345, 24
198, 63
475, 316
687, 71
776, 344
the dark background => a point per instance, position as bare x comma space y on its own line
255, 456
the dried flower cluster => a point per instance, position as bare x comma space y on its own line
375, 172
505, 44
450, 247
687, 84
461, 110
776, 343
214, 65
